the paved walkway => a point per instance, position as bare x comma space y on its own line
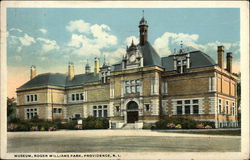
119, 141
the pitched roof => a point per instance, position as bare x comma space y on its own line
59, 80
81, 79
197, 58
150, 56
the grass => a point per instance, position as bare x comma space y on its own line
215, 132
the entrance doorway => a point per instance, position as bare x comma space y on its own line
132, 112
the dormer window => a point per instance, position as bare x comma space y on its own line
181, 63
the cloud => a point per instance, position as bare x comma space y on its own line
19, 41
128, 40
16, 30
44, 31
26, 40
164, 44
42, 58
78, 25
87, 39
48, 45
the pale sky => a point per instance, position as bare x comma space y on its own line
50, 38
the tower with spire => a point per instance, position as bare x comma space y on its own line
143, 27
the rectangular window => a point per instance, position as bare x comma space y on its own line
187, 101
105, 113
179, 69
133, 89
226, 109
179, 102
179, 110
195, 109
138, 89
95, 113
147, 107
219, 109
127, 89
184, 68
31, 98
77, 97
127, 82
187, 109
59, 110
35, 97
54, 110
195, 101
132, 86
233, 111
137, 81
81, 96
73, 97
77, 116
117, 108
31, 113
99, 113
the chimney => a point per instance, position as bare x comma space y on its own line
71, 71
32, 71
87, 69
97, 66
220, 55
229, 62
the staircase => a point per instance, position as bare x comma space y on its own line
131, 126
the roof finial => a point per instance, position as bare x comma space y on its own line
143, 13
132, 41
181, 44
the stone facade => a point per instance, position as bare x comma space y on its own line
143, 88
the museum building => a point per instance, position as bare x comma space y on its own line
142, 88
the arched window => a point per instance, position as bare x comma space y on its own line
132, 105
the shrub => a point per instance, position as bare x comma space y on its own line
208, 127
178, 126
162, 124
200, 126
171, 125
147, 126
12, 127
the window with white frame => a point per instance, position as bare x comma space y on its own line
112, 90
31, 98
182, 66
227, 105
164, 87
147, 108
77, 97
212, 84
187, 107
30, 113
233, 109
132, 86
220, 106
117, 108
104, 77
57, 110
154, 85
100, 111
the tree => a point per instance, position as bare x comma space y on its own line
11, 109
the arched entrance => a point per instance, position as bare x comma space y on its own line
132, 112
